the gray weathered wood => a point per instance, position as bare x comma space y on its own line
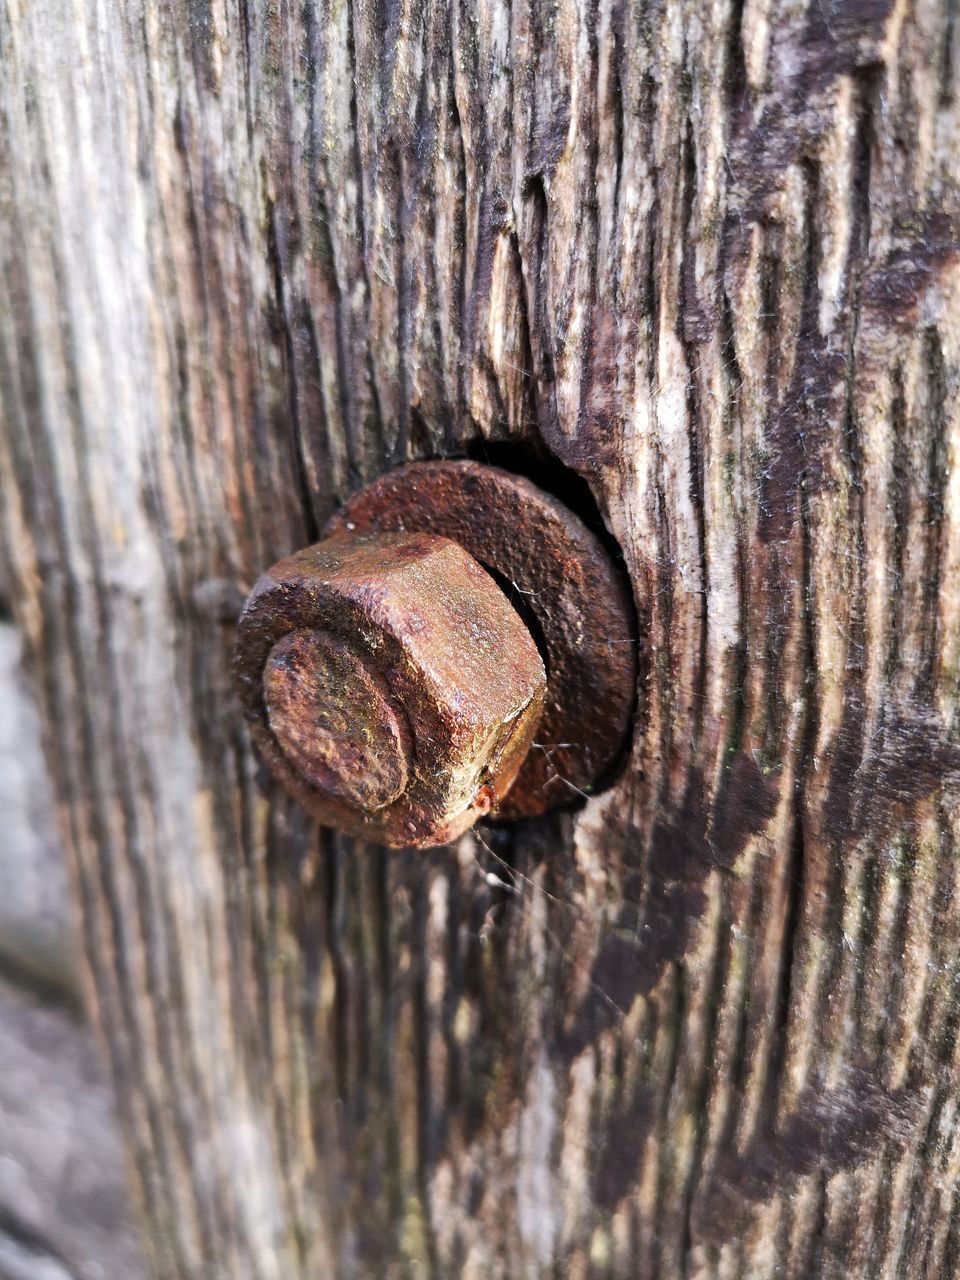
65, 1211
706, 256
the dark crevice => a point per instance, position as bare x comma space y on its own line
688, 308
460, 234
919, 1227
735, 80
699, 1107
44, 987
339, 1036
783, 1234
420, 437
482, 199
33, 1241
903, 863
483, 361
772, 270
650, 279
856, 268
951, 1248
870, 876
818, 1235
387, 1038
521, 606
881, 1219
538, 313
427, 1120
898, 504
361, 214
345, 398
947, 69
944, 1047
276, 261
737, 714
741, 1062
664, 590
531, 390
677, 1015
547, 473
797, 871
590, 222
452, 995
936, 486
772, 273
395, 177
617, 107
789, 959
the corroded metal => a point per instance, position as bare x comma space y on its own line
559, 575
389, 683
333, 718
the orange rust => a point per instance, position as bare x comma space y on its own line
558, 573
389, 684
333, 720
395, 675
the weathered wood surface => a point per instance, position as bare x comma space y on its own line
704, 254
65, 1211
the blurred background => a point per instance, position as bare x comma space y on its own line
65, 1212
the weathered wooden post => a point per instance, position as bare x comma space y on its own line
693, 266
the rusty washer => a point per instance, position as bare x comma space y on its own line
459, 644
558, 574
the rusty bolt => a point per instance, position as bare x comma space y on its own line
570, 591
390, 684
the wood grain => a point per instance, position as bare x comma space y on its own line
65, 1211
706, 256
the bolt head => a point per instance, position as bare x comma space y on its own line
334, 721
390, 684
572, 594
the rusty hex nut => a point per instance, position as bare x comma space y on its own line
570, 591
389, 684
